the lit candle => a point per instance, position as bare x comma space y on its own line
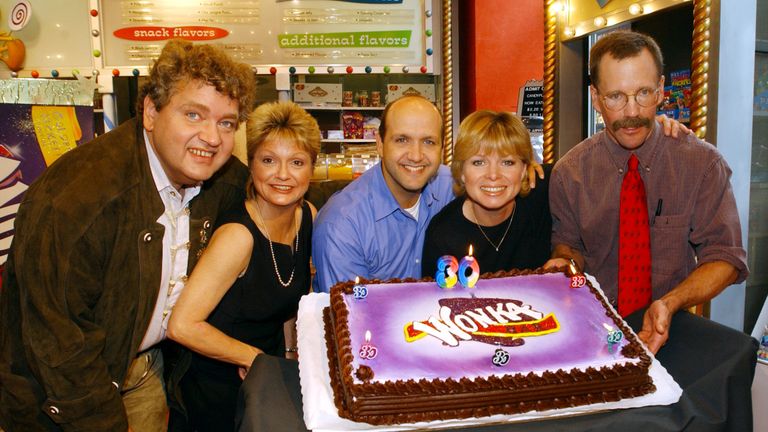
573, 268
359, 291
577, 277
447, 266
614, 336
469, 263
368, 350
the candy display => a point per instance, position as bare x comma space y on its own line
352, 123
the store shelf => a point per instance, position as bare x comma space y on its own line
348, 141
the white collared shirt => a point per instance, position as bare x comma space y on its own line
175, 219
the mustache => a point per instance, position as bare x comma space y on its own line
632, 122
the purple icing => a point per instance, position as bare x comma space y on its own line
388, 308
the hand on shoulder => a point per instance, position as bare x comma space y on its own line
672, 127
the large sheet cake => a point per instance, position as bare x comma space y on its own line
514, 343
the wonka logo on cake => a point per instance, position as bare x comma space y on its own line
493, 321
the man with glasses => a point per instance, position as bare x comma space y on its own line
652, 217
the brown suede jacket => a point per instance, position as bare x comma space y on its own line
81, 281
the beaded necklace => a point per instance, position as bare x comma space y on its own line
271, 249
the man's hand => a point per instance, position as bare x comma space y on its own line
656, 322
671, 126
533, 169
555, 263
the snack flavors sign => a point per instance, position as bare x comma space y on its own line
156, 33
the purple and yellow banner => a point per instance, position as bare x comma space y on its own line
31, 139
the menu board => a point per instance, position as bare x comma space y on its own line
272, 32
530, 102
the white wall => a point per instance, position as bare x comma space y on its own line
735, 90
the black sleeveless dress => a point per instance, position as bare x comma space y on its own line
253, 311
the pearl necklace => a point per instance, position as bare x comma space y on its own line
512, 216
271, 249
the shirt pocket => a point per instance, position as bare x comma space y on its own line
669, 244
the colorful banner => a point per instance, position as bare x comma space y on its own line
32, 138
677, 96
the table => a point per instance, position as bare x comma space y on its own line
712, 363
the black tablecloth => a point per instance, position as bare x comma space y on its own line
712, 363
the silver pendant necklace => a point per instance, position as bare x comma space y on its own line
509, 224
271, 249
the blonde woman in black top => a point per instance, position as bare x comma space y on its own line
507, 222
242, 298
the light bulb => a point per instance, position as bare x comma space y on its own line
557, 7
600, 21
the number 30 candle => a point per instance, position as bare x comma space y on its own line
447, 266
368, 351
469, 263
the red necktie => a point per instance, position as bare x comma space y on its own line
634, 243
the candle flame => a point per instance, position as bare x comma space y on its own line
572, 267
367, 336
607, 327
357, 280
470, 250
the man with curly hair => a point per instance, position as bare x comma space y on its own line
104, 241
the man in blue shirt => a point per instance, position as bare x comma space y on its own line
374, 228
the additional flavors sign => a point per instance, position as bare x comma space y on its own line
381, 39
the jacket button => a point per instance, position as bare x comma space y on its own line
53, 410
147, 237
206, 224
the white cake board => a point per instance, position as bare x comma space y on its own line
321, 415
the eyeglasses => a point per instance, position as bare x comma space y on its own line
645, 97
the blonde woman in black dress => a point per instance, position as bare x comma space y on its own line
242, 298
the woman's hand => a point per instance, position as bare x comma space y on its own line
533, 169
671, 126
243, 370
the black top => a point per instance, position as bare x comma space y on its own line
256, 306
526, 246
